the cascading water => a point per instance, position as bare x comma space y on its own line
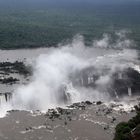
75, 73
5, 97
129, 91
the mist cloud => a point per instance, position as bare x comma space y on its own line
57, 73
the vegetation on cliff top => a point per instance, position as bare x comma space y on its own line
129, 130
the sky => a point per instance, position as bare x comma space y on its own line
59, 2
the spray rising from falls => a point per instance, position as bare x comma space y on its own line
75, 72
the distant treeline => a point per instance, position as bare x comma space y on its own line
31, 26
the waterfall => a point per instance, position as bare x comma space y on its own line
129, 91
71, 94
5, 97
116, 94
120, 76
2, 99
81, 82
89, 80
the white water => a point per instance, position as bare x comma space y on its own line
54, 68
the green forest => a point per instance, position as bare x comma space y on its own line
49, 26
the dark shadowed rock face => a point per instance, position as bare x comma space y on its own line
121, 82
126, 84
